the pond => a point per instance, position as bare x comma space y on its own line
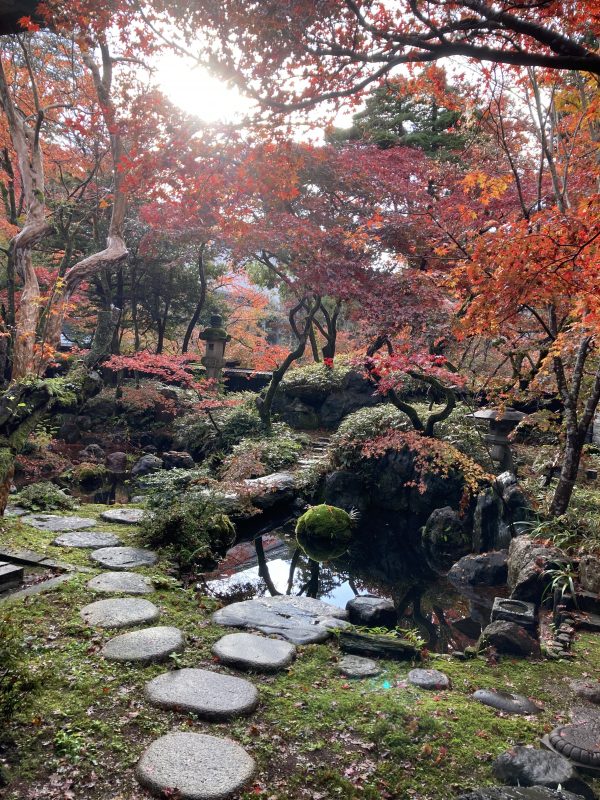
448, 617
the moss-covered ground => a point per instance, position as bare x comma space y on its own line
316, 735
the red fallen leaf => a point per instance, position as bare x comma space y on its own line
345, 685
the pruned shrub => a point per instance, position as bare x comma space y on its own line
44, 496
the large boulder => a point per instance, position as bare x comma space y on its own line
486, 520
589, 573
117, 462
372, 612
484, 569
271, 490
346, 490
508, 637
177, 459
300, 415
516, 506
444, 539
146, 465
356, 392
528, 565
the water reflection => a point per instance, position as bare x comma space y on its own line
272, 564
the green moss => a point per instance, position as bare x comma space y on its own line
43, 496
88, 473
324, 532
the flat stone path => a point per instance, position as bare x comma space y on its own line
120, 582
56, 523
211, 695
126, 516
91, 539
201, 767
506, 701
120, 612
252, 652
146, 646
124, 557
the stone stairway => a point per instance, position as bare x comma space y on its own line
315, 453
197, 765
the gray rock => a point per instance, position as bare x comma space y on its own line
249, 651
15, 511
211, 695
126, 516
524, 793
486, 520
444, 539
178, 459
345, 490
431, 679
146, 466
93, 452
124, 557
300, 415
508, 637
525, 766
146, 646
509, 702
93, 539
589, 573
126, 582
485, 569
201, 767
56, 523
302, 620
374, 612
271, 490
579, 742
117, 463
528, 563
358, 667
120, 612
587, 689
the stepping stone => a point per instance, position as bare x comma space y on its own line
248, 651
588, 690
93, 539
211, 695
15, 511
146, 646
506, 701
302, 620
121, 612
126, 516
525, 766
130, 582
520, 793
201, 767
56, 523
124, 557
429, 679
358, 667
579, 742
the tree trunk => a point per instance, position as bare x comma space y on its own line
200, 304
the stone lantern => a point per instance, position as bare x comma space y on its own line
501, 423
216, 337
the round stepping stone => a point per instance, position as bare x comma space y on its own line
248, 651
124, 557
130, 582
121, 612
93, 539
201, 767
146, 646
358, 667
579, 742
126, 516
428, 679
56, 523
211, 695
506, 701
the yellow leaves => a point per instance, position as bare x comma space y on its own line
489, 187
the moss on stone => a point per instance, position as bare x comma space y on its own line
324, 532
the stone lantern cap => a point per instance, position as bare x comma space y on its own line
496, 415
215, 332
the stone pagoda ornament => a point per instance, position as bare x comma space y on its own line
215, 337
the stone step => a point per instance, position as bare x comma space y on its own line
124, 557
56, 523
252, 652
210, 695
125, 516
11, 576
145, 646
119, 612
87, 539
120, 582
202, 767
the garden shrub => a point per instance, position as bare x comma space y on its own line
361, 426
324, 532
44, 496
316, 380
88, 474
253, 457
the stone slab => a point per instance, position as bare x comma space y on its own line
506, 701
358, 667
430, 679
519, 793
15, 511
526, 766
116, 582
301, 620
145, 646
11, 576
119, 612
126, 516
210, 695
56, 523
587, 690
249, 651
201, 767
124, 557
91, 539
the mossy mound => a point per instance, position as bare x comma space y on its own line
44, 496
324, 532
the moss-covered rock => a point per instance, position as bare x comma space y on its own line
324, 532
43, 496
